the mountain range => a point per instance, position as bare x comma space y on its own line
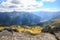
27, 18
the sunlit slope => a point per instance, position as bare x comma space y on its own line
53, 25
35, 29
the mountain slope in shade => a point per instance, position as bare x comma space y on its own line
27, 18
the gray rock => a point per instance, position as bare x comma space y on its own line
57, 34
5, 35
26, 36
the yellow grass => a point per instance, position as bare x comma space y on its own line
36, 30
29, 29
20, 29
1, 28
57, 20
32, 30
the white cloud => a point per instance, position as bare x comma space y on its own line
50, 9
7, 3
25, 5
49, 0
41, 9
5, 10
22, 4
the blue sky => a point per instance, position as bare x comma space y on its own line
29, 5
55, 4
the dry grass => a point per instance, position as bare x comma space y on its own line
1, 27
32, 30
57, 20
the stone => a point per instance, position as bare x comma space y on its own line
5, 35
57, 34
26, 36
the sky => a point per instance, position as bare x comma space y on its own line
29, 5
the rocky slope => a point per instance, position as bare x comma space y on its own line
6, 35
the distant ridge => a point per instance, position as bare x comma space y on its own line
27, 18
